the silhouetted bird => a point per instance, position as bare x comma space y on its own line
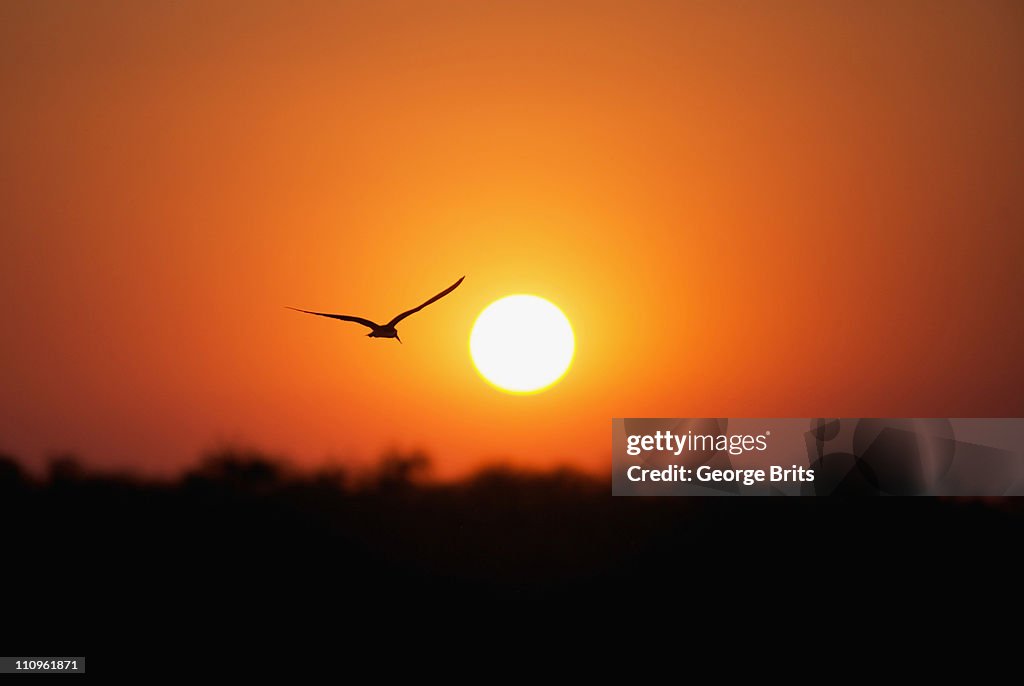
384, 330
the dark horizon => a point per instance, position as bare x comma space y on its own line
503, 531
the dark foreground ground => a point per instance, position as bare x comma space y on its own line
244, 544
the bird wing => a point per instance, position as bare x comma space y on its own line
342, 317
414, 310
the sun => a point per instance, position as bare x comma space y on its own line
522, 343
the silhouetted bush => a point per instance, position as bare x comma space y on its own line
399, 471
12, 477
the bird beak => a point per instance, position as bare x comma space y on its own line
399, 339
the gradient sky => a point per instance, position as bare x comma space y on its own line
745, 209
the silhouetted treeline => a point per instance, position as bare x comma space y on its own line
247, 536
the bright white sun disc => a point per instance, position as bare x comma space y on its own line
522, 343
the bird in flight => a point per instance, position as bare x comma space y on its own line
384, 330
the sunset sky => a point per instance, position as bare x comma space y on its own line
778, 209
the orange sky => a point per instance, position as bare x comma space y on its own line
745, 209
